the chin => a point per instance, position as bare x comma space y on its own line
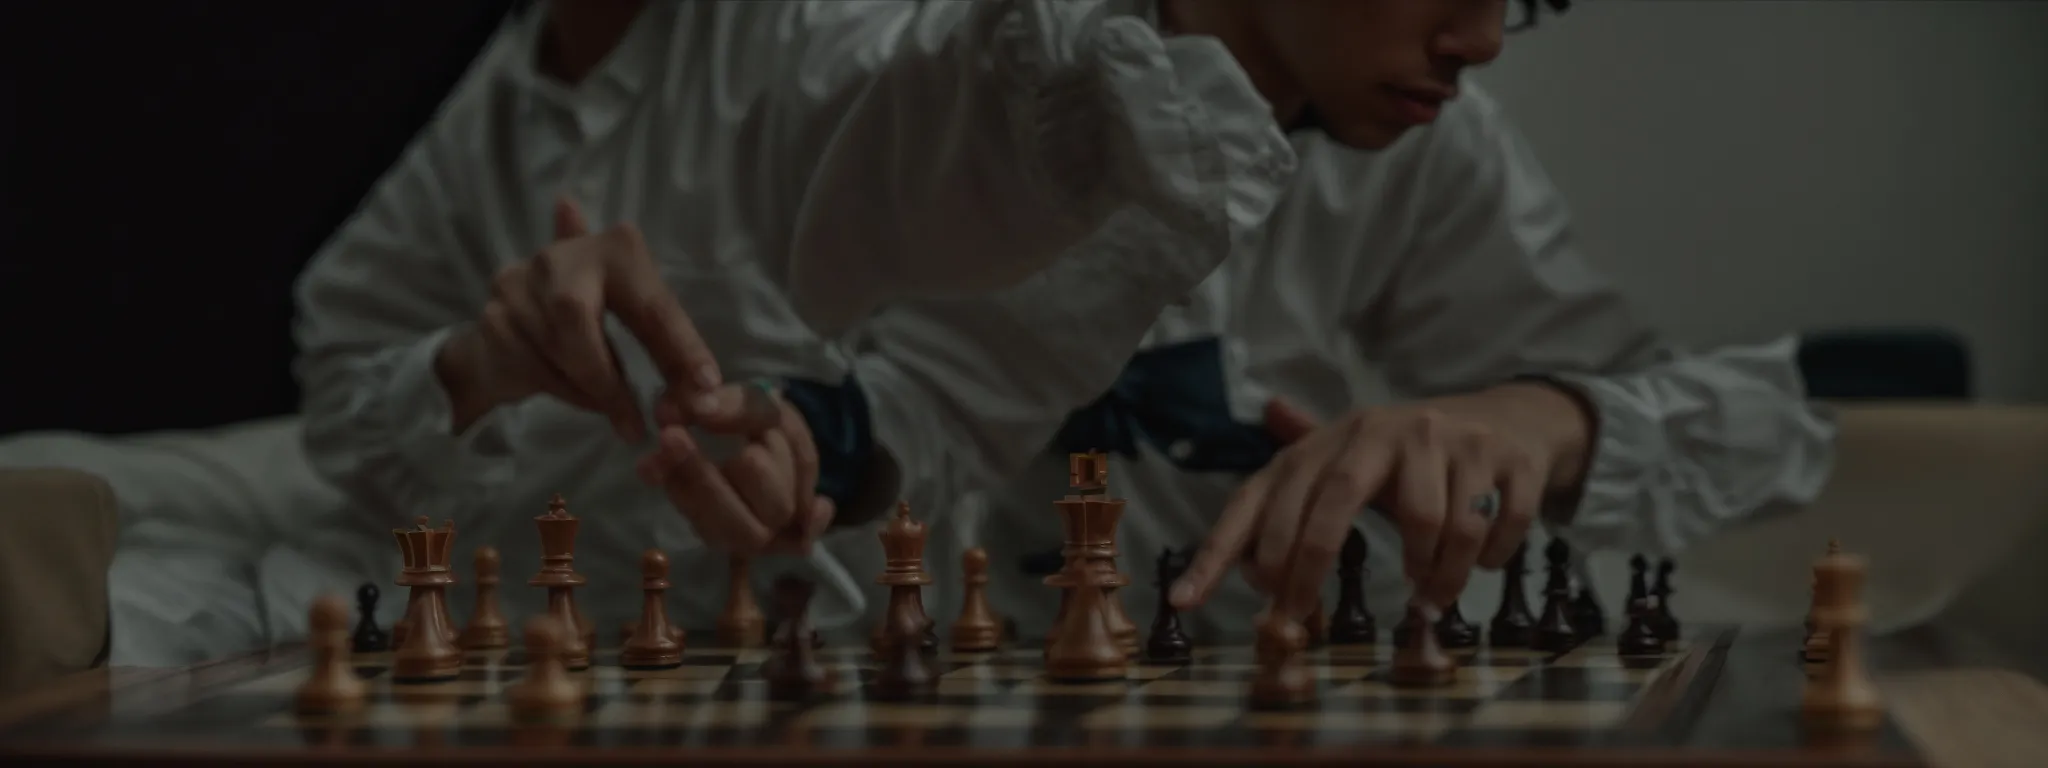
1366, 135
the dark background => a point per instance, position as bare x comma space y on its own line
169, 168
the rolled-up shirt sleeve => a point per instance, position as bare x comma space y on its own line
1005, 212
1685, 444
373, 309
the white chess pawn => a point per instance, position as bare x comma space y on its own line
333, 687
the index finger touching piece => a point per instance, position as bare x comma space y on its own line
1226, 543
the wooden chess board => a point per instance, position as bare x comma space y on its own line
1714, 700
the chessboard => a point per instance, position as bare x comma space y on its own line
1716, 697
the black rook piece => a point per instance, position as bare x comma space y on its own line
1351, 623
1513, 626
368, 638
1167, 643
1554, 632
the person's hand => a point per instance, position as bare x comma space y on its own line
763, 498
542, 332
1462, 479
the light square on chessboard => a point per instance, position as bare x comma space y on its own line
1044, 687
1549, 715
379, 714
1604, 655
1141, 715
742, 713
1423, 725
1235, 671
1468, 683
995, 672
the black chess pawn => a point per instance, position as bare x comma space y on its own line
1587, 615
1554, 631
1351, 623
1168, 644
1639, 638
1513, 626
368, 638
1667, 624
1453, 632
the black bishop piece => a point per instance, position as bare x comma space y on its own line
1639, 638
1167, 643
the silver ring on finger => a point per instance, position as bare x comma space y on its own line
1487, 505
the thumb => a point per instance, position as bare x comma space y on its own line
1287, 423
569, 220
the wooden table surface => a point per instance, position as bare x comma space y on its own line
1960, 703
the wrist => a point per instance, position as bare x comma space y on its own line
461, 367
1555, 420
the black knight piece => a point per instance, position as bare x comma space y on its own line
1351, 623
1554, 632
368, 638
1639, 638
1513, 625
1167, 642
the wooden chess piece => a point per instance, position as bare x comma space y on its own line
1168, 643
1554, 631
905, 673
792, 669
1512, 625
1089, 520
1454, 632
547, 692
1639, 638
1084, 649
1842, 697
653, 645
1420, 662
903, 540
977, 629
1282, 680
1660, 596
741, 625
1815, 647
368, 638
559, 577
429, 653
1351, 623
333, 687
487, 629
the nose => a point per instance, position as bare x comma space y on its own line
1475, 37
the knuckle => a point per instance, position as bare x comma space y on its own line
568, 303
1427, 425
1518, 463
1343, 480
510, 280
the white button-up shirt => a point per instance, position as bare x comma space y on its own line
999, 197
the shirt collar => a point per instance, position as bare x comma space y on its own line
603, 97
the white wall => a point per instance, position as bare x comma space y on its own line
1751, 168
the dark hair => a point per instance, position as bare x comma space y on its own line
1531, 9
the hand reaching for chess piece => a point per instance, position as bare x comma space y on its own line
762, 499
1432, 465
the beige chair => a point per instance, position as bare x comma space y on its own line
57, 531
1948, 504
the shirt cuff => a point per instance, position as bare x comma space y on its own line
860, 477
419, 413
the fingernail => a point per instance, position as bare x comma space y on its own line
707, 376
1183, 593
705, 403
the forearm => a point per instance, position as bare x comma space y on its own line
1688, 446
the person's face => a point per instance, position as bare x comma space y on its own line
1368, 70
